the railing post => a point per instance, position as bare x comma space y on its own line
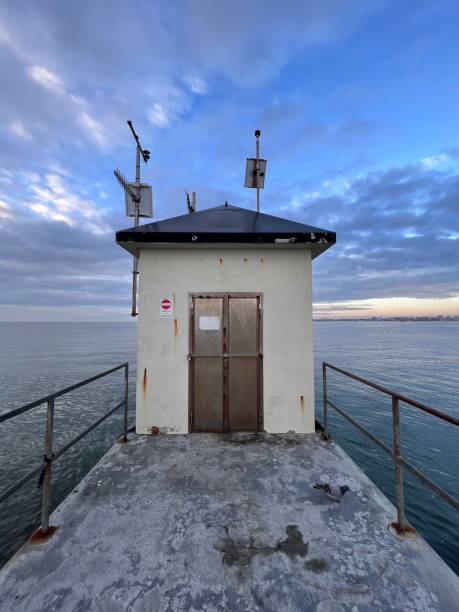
46, 496
325, 398
126, 399
397, 466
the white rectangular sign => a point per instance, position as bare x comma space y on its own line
166, 308
209, 323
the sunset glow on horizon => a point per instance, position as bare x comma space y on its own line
388, 307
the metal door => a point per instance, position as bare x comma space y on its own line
225, 362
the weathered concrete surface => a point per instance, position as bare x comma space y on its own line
209, 522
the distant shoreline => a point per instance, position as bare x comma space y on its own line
439, 319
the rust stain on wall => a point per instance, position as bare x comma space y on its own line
144, 381
302, 402
245, 259
175, 328
221, 262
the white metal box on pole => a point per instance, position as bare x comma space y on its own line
251, 173
146, 201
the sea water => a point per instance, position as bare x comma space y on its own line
419, 359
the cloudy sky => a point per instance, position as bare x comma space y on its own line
356, 101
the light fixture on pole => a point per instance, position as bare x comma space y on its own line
138, 201
255, 170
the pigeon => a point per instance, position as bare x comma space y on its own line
334, 491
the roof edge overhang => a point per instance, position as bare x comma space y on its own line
316, 248
137, 235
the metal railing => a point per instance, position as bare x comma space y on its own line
399, 461
45, 469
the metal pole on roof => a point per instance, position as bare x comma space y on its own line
135, 267
257, 167
135, 264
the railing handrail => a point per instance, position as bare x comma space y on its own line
17, 411
395, 452
403, 398
44, 470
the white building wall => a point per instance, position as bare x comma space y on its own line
282, 275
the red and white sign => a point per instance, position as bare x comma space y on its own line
165, 308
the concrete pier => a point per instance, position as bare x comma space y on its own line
225, 522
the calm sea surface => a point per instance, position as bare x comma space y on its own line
418, 359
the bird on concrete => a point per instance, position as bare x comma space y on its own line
334, 491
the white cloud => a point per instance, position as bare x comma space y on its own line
19, 130
327, 188
336, 186
47, 79
434, 161
169, 102
196, 85
49, 213
7, 177
56, 202
159, 115
5, 210
94, 128
4, 36
31, 177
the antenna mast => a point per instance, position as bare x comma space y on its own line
137, 195
191, 204
257, 166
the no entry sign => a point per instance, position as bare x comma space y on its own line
165, 308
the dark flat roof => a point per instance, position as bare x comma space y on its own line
226, 224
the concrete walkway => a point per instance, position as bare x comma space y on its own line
210, 522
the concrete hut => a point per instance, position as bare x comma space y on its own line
225, 322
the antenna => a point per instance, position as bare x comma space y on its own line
255, 170
125, 185
138, 204
191, 205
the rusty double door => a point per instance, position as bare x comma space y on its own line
225, 362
